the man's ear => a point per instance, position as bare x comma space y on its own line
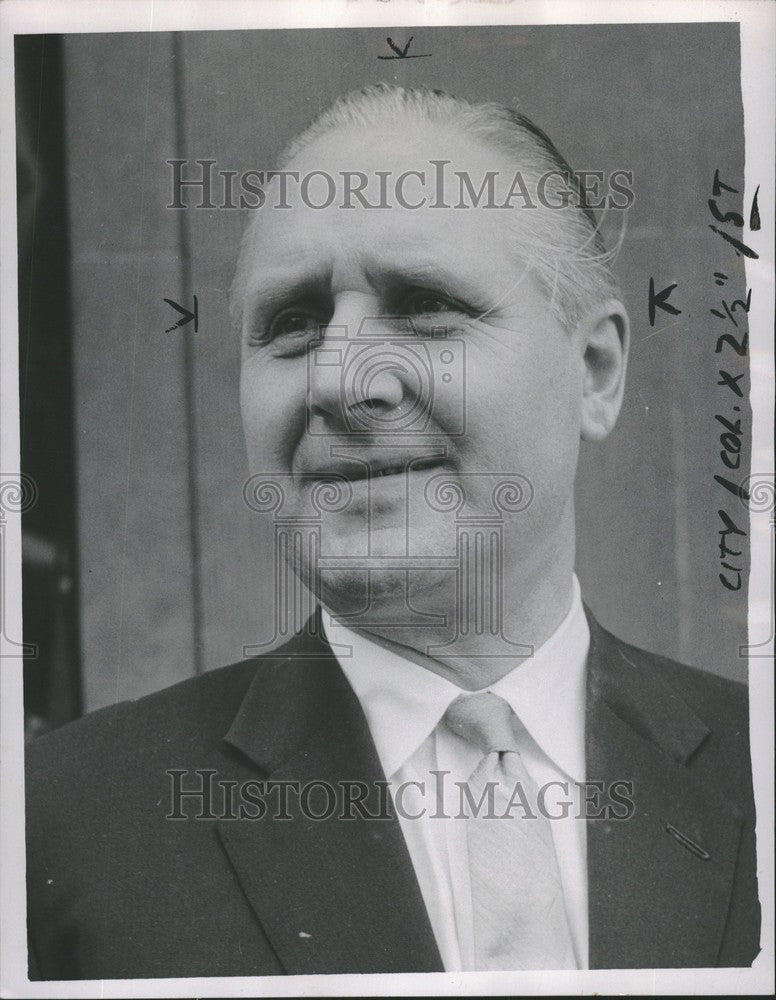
604, 337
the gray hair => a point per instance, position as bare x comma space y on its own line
569, 257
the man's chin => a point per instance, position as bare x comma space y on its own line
388, 574
386, 596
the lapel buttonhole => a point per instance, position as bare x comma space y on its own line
685, 841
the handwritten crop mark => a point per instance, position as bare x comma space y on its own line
186, 315
659, 300
402, 53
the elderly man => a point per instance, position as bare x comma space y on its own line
452, 766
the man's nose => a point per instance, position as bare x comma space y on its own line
355, 379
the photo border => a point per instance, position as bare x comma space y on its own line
758, 21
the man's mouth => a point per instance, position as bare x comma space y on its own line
397, 470
356, 469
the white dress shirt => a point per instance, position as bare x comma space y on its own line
404, 704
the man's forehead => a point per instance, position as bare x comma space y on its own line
426, 264
419, 216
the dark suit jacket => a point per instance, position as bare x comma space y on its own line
117, 890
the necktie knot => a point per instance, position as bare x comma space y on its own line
485, 720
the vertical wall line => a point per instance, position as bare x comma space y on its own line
189, 366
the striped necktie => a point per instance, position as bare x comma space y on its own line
519, 912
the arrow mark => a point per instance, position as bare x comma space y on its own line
659, 300
186, 315
402, 53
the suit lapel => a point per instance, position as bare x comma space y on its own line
333, 895
659, 881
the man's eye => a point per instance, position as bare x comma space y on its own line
423, 303
295, 322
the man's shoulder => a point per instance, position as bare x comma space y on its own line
193, 715
696, 717
708, 693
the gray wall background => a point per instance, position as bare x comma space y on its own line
176, 573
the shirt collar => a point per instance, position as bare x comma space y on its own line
403, 702
547, 691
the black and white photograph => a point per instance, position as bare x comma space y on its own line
387, 509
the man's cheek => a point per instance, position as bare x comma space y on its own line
269, 424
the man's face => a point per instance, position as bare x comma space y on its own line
387, 408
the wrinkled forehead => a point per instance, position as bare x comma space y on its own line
387, 191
